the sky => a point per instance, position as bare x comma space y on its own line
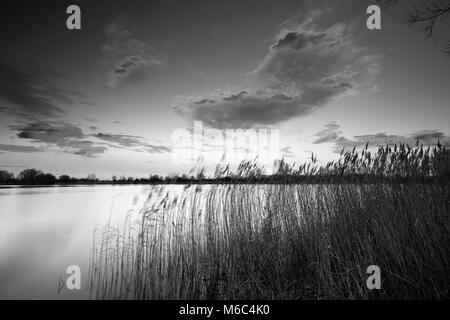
115, 97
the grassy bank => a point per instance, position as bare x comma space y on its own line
285, 241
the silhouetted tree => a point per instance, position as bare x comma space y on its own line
28, 176
155, 179
45, 179
6, 176
65, 179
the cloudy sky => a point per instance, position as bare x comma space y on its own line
108, 98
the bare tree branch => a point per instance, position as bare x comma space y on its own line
429, 15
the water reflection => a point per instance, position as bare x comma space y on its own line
44, 230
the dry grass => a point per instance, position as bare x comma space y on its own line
288, 241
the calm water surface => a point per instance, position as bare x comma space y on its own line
44, 230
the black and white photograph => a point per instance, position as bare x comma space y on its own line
225, 150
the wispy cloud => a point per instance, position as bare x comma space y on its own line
423, 137
287, 152
85, 148
69, 138
333, 134
31, 95
135, 143
131, 59
20, 149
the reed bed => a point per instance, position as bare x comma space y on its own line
286, 240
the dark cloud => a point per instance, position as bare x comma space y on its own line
67, 137
298, 41
372, 140
332, 134
47, 131
318, 64
21, 149
424, 137
304, 70
243, 110
63, 136
131, 58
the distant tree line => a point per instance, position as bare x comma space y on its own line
390, 163
38, 177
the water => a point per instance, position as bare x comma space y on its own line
45, 230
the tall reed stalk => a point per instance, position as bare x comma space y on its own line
287, 241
